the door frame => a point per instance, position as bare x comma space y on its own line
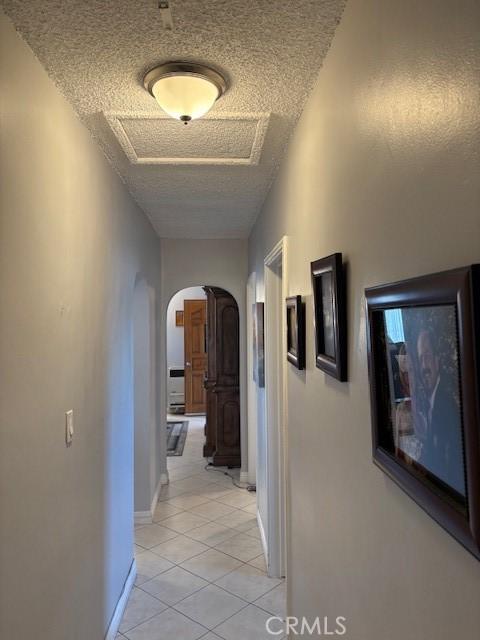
276, 406
251, 472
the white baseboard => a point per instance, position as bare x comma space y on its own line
122, 603
146, 517
244, 476
142, 517
156, 495
263, 537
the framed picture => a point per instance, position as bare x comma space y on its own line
179, 319
329, 297
258, 344
296, 331
424, 353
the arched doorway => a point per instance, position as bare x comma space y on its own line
203, 376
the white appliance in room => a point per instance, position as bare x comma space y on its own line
176, 389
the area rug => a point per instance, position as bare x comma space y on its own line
176, 437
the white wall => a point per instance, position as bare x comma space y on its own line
72, 244
175, 335
384, 166
220, 263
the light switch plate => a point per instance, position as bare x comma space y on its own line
69, 427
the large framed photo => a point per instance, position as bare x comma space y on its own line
296, 331
329, 297
258, 344
423, 349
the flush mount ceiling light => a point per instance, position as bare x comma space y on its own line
185, 90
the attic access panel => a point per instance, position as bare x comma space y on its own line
227, 139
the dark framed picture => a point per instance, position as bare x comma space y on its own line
179, 318
329, 297
296, 331
258, 344
423, 349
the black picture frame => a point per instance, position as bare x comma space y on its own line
440, 469
295, 310
330, 318
258, 344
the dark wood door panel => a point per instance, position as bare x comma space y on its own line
222, 384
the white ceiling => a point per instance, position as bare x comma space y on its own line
208, 179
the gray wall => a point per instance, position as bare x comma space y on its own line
384, 167
71, 246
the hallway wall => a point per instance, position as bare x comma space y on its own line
384, 167
71, 245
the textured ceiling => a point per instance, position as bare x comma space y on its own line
212, 184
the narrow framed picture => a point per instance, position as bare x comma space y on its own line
424, 354
296, 331
329, 298
179, 318
258, 344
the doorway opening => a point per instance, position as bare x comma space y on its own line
203, 374
275, 504
187, 352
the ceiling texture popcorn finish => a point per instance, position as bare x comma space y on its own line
209, 179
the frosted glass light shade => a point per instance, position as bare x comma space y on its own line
185, 90
184, 96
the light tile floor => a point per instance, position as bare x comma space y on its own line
200, 565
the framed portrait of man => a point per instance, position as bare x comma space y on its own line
423, 359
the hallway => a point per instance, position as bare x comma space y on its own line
200, 565
310, 170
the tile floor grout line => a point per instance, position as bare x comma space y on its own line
228, 554
211, 583
247, 604
146, 620
172, 606
186, 559
185, 533
179, 564
235, 594
183, 614
232, 616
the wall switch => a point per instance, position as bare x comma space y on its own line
69, 427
